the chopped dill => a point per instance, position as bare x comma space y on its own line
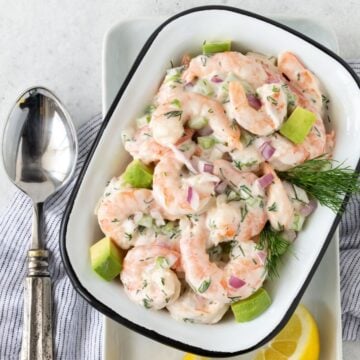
275, 245
324, 181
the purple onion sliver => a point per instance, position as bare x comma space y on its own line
220, 187
266, 180
216, 79
189, 194
253, 101
267, 151
236, 283
205, 131
209, 168
262, 256
307, 209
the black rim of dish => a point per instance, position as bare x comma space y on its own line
69, 269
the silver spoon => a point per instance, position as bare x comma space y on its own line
39, 154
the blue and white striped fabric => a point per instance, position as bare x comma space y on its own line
78, 327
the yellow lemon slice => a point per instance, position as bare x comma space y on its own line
298, 340
189, 356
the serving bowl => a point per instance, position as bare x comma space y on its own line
182, 33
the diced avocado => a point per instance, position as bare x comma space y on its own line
251, 307
138, 175
206, 142
216, 46
106, 259
298, 125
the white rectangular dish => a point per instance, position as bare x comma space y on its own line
182, 33
322, 297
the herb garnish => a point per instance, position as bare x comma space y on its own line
275, 245
204, 286
272, 100
174, 113
273, 207
324, 182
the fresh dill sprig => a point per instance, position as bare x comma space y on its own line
275, 245
324, 181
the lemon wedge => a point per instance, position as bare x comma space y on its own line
189, 356
298, 340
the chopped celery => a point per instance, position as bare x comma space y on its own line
298, 125
298, 222
206, 142
251, 307
146, 221
204, 87
197, 122
216, 46
162, 262
142, 121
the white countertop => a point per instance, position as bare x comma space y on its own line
57, 44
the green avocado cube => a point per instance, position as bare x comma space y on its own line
106, 259
138, 175
298, 125
216, 46
251, 307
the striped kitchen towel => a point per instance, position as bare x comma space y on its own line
77, 326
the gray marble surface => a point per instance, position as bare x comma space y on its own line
58, 44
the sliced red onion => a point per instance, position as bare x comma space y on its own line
267, 151
183, 159
195, 201
289, 235
266, 180
205, 131
220, 187
307, 209
189, 194
216, 79
236, 283
205, 166
209, 168
189, 84
262, 256
253, 101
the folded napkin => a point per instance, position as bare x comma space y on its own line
77, 326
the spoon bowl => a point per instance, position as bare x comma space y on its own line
39, 155
39, 144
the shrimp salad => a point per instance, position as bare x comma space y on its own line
203, 212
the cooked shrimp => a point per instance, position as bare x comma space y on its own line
171, 86
142, 146
268, 118
247, 266
212, 282
179, 193
117, 211
287, 154
168, 120
243, 67
147, 276
193, 308
279, 208
301, 78
240, 215
268, 63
